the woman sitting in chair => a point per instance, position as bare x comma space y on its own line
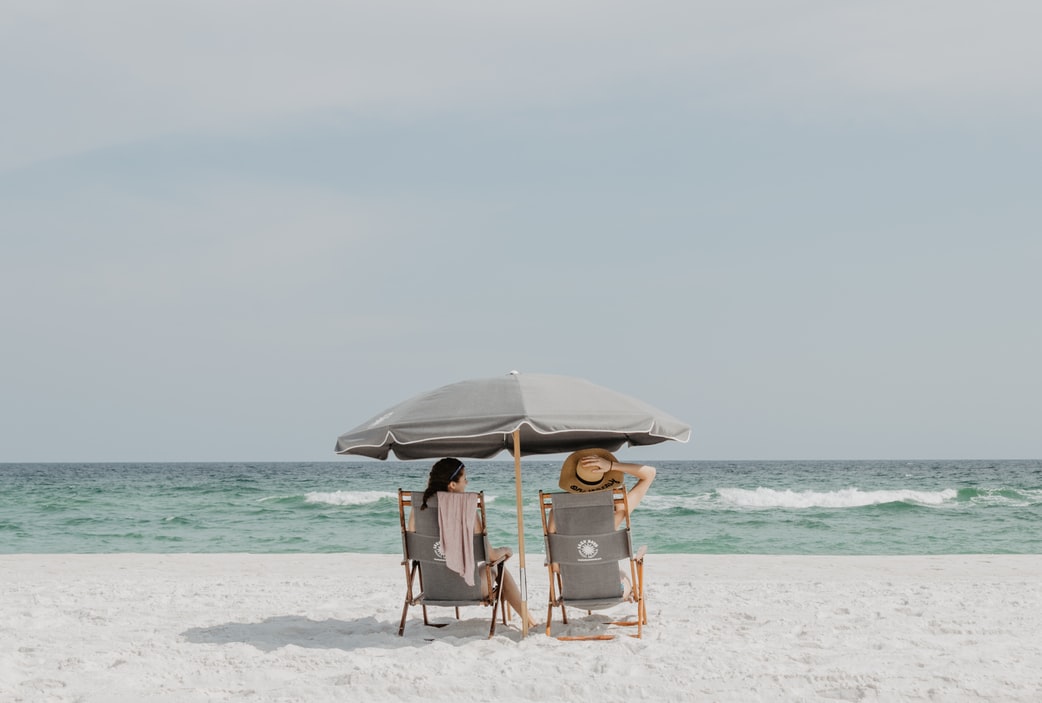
450, 475
589, 470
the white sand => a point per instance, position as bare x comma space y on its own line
146, 627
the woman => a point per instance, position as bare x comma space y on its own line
450, 475
589, 470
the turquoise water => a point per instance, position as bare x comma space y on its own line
754, 507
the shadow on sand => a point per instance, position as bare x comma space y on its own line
285, 630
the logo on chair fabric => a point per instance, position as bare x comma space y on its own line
588, 549
438, 551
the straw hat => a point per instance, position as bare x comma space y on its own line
575, 479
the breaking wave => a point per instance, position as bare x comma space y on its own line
845, 498
349, 497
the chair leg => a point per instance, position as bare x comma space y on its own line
496, 603
643, 597
409, 576
550, 600
560, 589
642, 604
401, 625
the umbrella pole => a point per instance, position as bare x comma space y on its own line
522, 582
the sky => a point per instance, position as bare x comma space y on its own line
233, 231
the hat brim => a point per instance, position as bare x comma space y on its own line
572, 482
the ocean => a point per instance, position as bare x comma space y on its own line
695, 507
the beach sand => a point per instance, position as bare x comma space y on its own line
235, 627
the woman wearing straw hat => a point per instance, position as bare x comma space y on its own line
589, 470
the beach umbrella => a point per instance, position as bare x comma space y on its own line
528, 413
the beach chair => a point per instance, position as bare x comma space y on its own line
429, 582
583, 555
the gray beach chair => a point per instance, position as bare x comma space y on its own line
429, 582
583, 555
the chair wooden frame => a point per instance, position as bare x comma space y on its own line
559, 550
420, 551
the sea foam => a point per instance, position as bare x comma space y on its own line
844, 498
348, 497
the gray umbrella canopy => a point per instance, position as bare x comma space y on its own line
478, 418
524, 413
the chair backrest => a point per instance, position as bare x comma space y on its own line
587, 547
440, 584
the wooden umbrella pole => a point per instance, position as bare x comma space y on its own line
522, 582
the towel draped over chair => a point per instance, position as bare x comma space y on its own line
456, 515
428, 547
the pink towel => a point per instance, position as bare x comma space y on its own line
456, 516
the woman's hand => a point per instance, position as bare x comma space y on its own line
595, 464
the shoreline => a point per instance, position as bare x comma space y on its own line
322, 627
743, 566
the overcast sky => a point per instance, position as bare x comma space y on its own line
235, 230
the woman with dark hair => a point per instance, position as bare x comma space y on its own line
450, 475
443, 474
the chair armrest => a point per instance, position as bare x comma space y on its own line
501, 560
639, 556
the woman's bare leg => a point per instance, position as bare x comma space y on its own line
512, 595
